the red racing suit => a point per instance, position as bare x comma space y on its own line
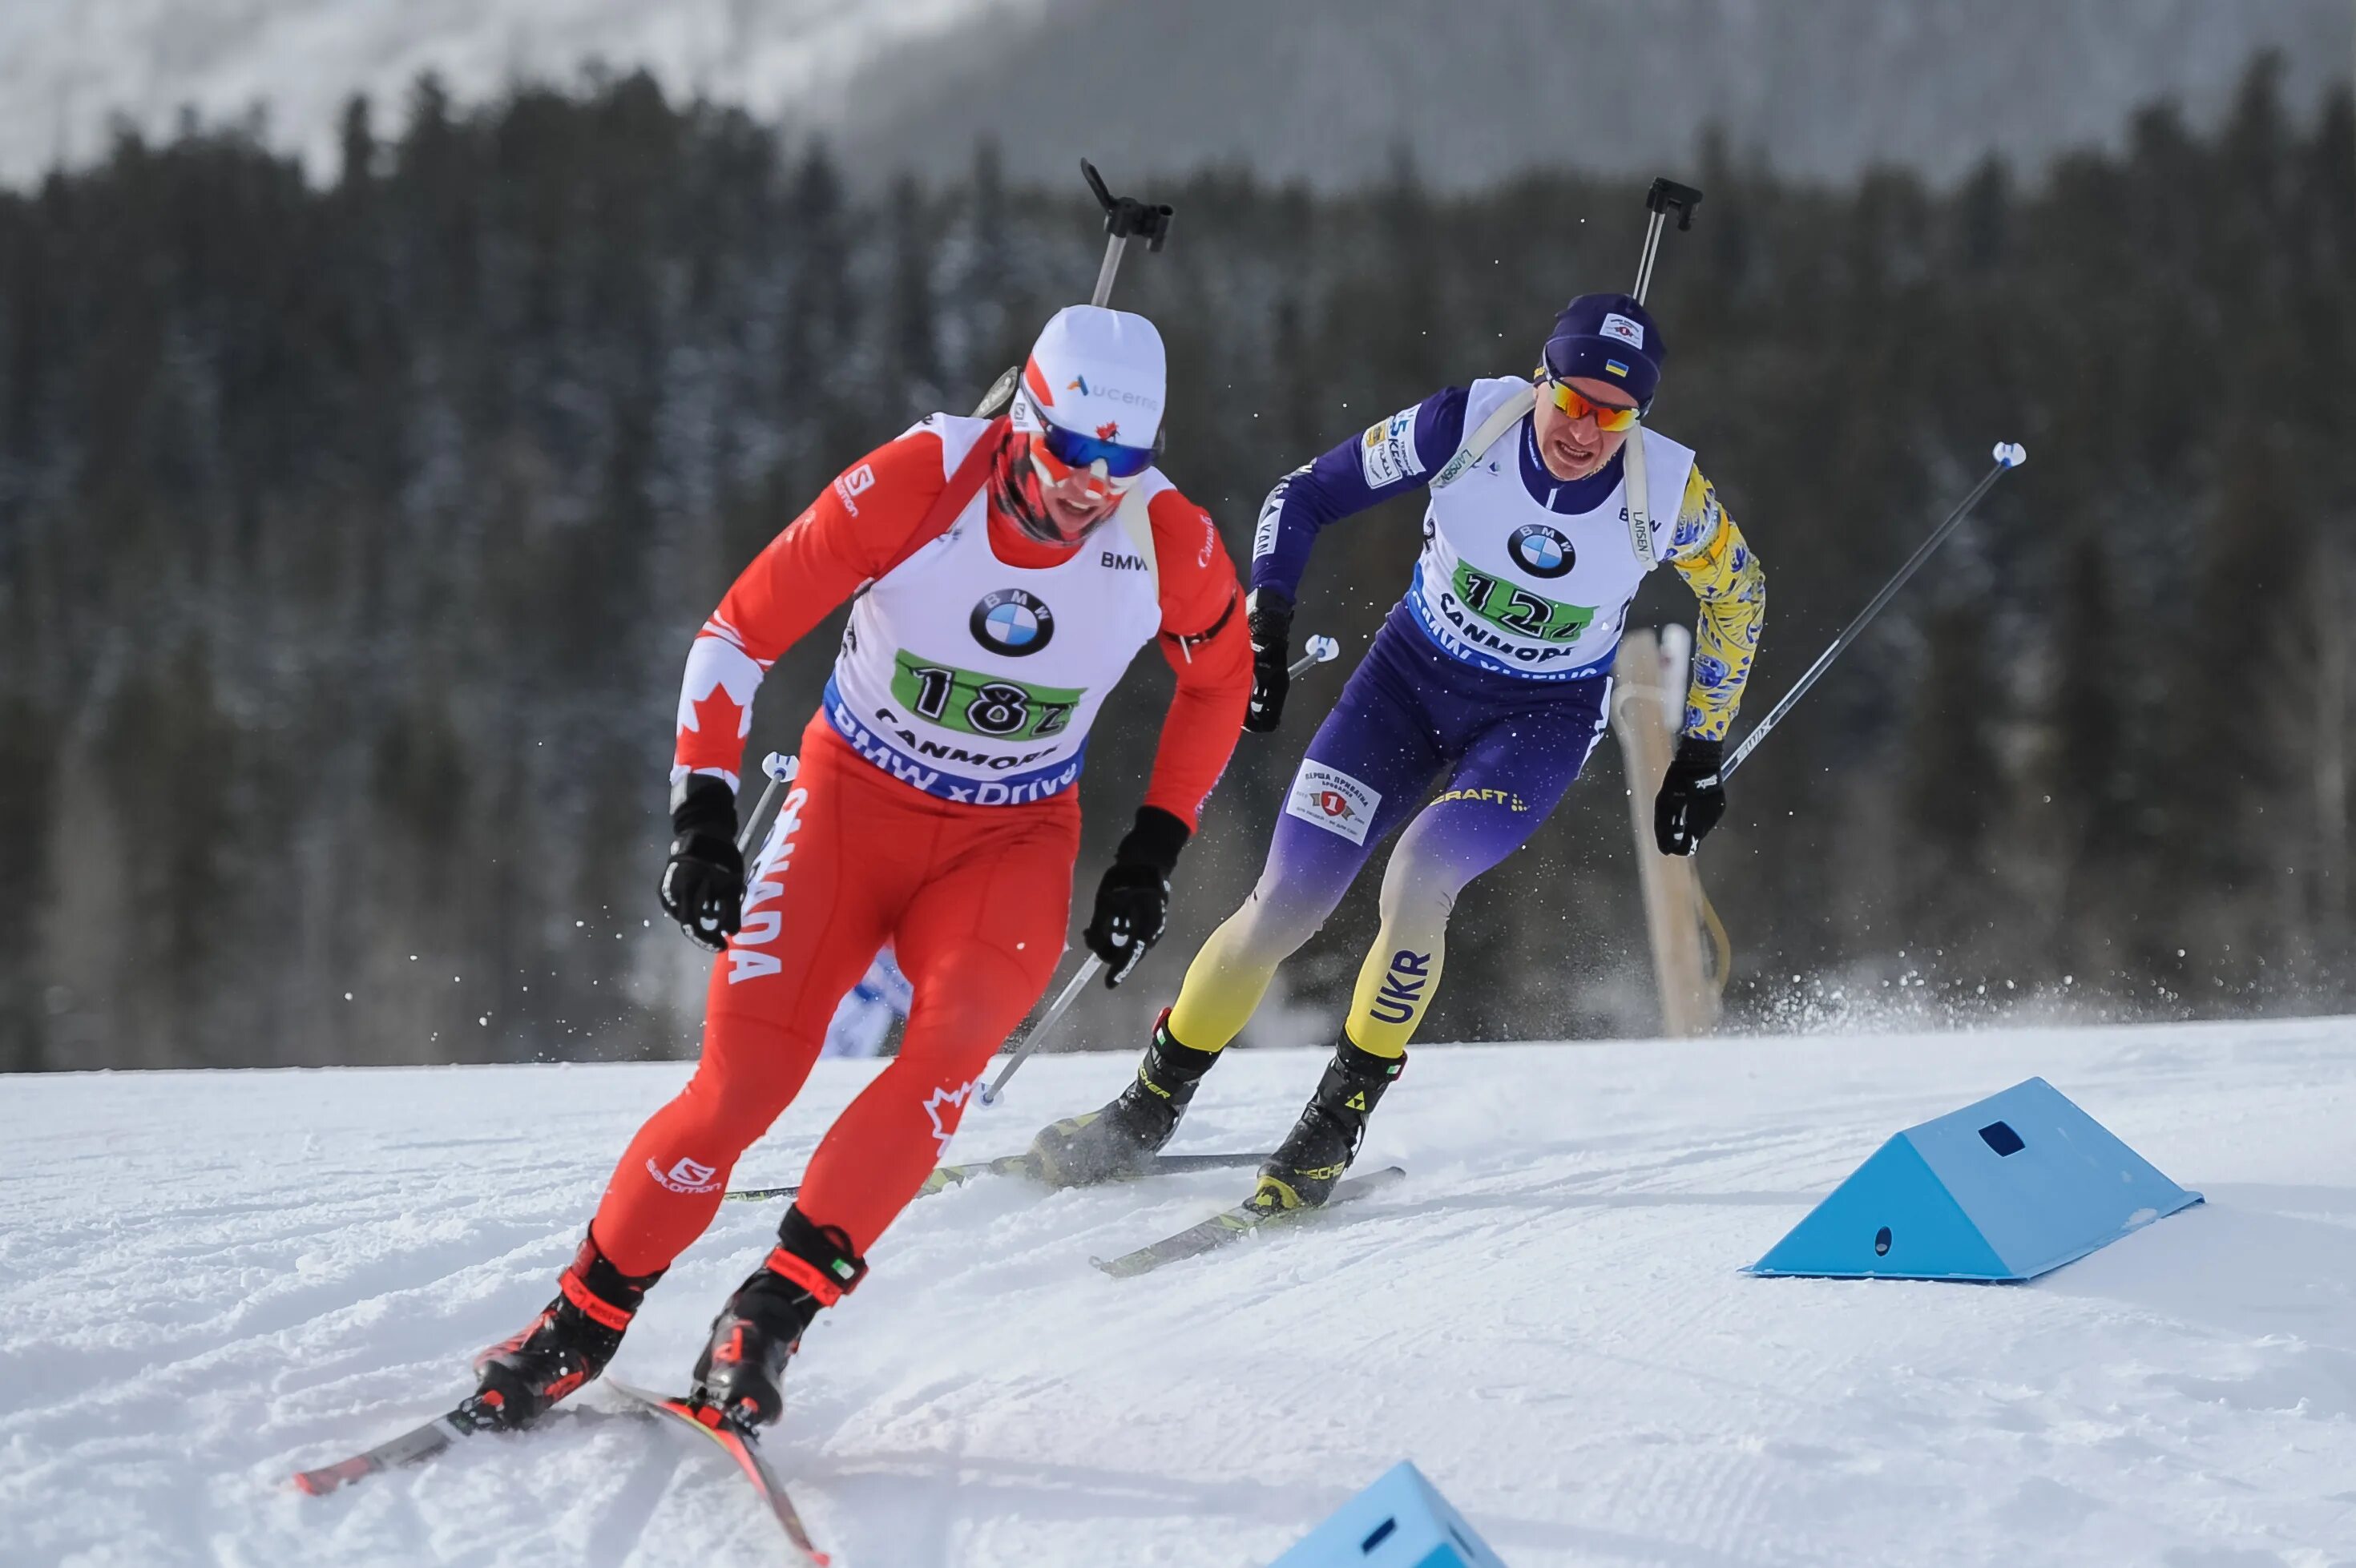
874, 844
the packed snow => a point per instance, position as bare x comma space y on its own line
208, 1280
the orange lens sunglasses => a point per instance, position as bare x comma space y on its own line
1578, 408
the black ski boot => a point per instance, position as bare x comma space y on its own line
1121, 1139
740, 1376
568, 1344
1301, 1174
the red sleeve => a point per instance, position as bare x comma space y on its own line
852, 533
1205, 639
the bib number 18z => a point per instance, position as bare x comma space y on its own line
980, 705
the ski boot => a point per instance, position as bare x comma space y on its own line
740, 1376
568, 1344
1301, 1174
1122, 1139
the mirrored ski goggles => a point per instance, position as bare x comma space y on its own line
1606, 416
1075, 451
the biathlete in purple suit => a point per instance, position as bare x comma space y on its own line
1550, 502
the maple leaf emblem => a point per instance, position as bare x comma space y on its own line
953, 1100
711, 731
1108, 431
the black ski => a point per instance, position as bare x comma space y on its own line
739, 1444
948, 1175
1237, 1223
413, 1447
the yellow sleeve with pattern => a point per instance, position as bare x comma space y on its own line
1719, 566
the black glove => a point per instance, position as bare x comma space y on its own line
703, 884
1692, 798
1133, 900
1270, 619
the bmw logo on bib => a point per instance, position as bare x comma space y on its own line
1541, 552
1013, 622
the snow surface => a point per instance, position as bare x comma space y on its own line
208, 1280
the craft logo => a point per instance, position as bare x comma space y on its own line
1013, 622
1628, 332
1504, 797
1541, 552
1334, 801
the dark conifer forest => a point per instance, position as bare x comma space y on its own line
351, 539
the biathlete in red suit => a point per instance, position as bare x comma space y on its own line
1011, 569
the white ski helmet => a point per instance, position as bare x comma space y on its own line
1098, 375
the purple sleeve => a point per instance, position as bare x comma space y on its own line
1399, 454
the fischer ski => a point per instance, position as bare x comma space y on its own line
412, 1447
1027, 1164
740, 1445
1234, 1223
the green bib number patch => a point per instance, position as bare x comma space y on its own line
987, 705
1519, 611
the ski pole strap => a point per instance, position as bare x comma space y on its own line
2008, 455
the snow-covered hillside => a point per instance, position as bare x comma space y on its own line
208, 1280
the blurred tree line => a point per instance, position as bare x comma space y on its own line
351, 539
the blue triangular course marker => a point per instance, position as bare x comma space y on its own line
1400, 1521
2002, 1190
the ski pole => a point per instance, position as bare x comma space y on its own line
2009, 454
781, 769
1320, 650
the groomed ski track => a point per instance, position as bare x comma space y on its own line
208, 1280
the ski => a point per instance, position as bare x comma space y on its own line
740, 1445
1235, 1222
948, 1175
412, 1447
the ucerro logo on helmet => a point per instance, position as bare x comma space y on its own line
1109, 394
